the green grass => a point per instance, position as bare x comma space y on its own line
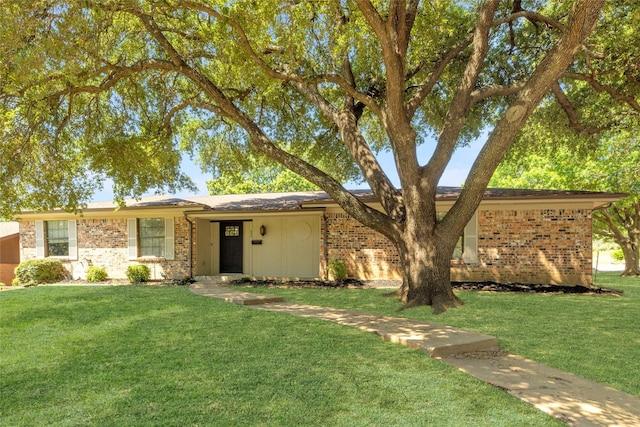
593, 336
149, 356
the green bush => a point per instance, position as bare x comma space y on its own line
36, 271
617, 255
138, 273
96, 274
338, 269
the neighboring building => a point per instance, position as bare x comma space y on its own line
9, 251
533, 236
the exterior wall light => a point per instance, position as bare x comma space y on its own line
263, 230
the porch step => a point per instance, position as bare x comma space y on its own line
223, 278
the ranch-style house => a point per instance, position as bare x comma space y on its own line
532, 236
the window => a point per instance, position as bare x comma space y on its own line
56, 239
232, 230
151, 237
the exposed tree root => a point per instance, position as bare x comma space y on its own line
439, 304
395, 293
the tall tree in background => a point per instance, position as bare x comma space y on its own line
115, 88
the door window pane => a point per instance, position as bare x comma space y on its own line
232, 230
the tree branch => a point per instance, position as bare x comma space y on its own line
583, 18
455, 118
495, 90
346, 121
599, 87
570, 111
531, 16
603, 216
261, 143
117, 73
430, 80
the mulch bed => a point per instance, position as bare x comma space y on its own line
533, 288
460, 286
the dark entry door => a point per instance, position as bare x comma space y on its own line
231, 247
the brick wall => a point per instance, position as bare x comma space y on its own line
367, 254
532, 246
104, 243
540, 246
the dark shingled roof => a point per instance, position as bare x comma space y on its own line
295, 200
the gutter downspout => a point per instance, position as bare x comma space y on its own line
190, 244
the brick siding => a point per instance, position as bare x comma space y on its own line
548, 246
104, 243
368, 254
532, 246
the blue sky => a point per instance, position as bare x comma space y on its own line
454, 175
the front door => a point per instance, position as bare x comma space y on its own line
231, 247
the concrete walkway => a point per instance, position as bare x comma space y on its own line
572, 399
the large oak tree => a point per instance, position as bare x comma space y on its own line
91, 90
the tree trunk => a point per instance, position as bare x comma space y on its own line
426, 268
631, 259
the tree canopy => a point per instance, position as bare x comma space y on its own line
261, 177
117, 88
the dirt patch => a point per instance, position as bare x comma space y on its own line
459, 286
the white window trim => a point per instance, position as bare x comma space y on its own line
132, 230
470, 241
73, 240
40, 239
169, 239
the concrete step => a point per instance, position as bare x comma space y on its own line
437, 340
221, 278
216, 290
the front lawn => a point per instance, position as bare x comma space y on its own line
594, 336
163, 356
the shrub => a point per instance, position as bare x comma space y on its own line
138, 273
617, 255
96, 274
35, 271
185, 281
338, 269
